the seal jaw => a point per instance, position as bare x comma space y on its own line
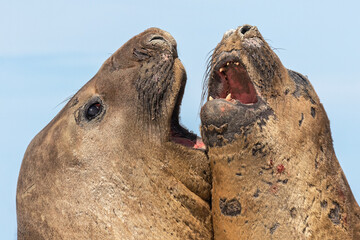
179, 134
233, 101
223, 121
160, 88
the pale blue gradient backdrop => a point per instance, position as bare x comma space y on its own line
49, 49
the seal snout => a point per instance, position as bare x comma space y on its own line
246, 31
160, 38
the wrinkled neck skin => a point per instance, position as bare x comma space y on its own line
118, 175
275, 173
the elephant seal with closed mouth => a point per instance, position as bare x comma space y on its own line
275, 173
112, 164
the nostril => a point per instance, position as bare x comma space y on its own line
245, 28
157, 37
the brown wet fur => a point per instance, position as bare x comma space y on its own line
117, 176
279, 177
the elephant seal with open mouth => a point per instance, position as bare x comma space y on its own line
115, 163
275, 173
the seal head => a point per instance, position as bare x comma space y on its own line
274, 171
112, 164
240, 80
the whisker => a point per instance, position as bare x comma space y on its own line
206, 77
277, 49
64, 101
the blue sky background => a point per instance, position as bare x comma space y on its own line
49, 49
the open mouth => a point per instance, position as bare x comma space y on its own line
235, 106
179, 134
233, 83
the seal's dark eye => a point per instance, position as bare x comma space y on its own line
93, 110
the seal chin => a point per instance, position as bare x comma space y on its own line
223, 121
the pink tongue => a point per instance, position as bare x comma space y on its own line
199, 144
240, 85
188, 143
183, 141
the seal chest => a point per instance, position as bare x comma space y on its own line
274, 171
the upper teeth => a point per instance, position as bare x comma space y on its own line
228, 98
222, 69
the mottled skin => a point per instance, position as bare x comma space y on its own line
275, 173
118, 175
